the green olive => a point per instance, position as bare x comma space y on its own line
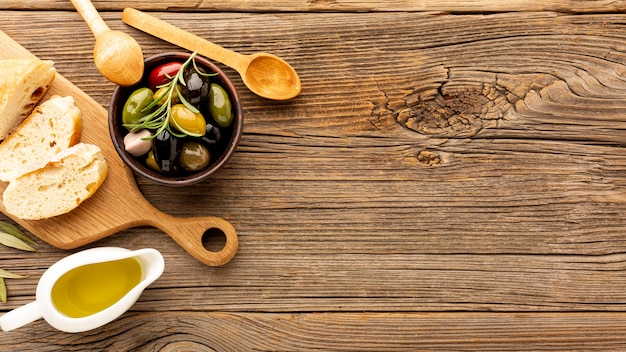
134, 105
220, 106
187, 121
160, 96
194, 156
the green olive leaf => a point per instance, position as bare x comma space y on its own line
12, 236
3, 291
9, 275
14, 242
16, 232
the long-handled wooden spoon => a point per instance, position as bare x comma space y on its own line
264, 74
117, 55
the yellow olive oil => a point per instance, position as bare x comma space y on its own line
92, 288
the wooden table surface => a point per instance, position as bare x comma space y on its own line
452, 177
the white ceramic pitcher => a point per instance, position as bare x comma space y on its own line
150, 261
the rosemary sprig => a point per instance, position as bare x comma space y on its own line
161, 119
12, 236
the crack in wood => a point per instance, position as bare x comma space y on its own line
460, 107
458, 112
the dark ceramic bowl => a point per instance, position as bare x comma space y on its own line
230, 137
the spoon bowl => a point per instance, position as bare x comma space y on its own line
271, 77
117, 55
264, 74
119, 58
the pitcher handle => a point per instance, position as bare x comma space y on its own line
20, 316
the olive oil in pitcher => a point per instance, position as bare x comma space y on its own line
91, 288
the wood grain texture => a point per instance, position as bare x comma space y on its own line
460, 6
442, 182
340, 332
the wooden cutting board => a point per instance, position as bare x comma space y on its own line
118, 204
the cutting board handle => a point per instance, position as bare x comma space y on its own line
189, 234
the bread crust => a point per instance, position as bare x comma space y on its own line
24, 84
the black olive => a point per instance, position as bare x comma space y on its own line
212, 135
197, 87
166, 149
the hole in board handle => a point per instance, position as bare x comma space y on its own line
214, 240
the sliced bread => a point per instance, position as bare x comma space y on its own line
54, 126
23, 83
58, 185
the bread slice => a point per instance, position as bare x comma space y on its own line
22, 85
54, 126
59, 185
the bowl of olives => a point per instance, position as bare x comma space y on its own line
180, 123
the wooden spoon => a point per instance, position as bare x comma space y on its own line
264, 74
117, 55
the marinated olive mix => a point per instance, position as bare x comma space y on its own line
178, 119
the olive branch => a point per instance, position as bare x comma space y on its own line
11, 236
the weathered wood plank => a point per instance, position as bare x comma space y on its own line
296, 279
459, 6
335, 332
476, 164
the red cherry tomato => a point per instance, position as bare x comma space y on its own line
158, 76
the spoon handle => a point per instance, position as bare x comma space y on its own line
89, 13
182, 38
